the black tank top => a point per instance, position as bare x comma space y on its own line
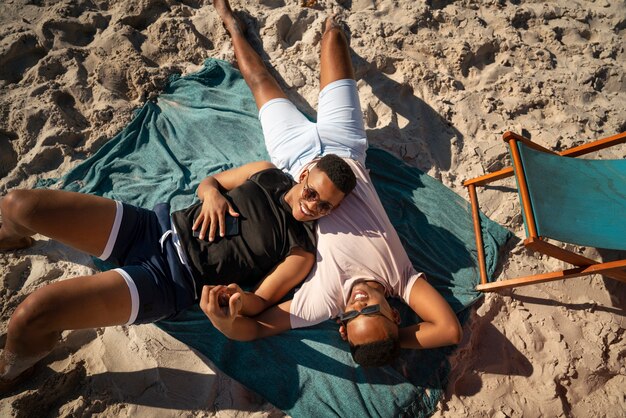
267, 233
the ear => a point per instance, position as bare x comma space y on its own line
342, 332
396, 316
339, 204
304, 173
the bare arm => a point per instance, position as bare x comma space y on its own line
272, 321
229, 179
238, 320
440, 325
214, 205
285, 276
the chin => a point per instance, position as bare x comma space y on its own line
299, 216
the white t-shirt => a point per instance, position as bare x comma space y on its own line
356, 242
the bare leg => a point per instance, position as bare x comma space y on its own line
335, 63
84, 222
264, 87
80, 220
36, 325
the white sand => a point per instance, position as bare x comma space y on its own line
440, 81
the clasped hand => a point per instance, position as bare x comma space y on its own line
221, 304
213, 214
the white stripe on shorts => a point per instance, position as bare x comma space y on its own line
119, 210
134, 296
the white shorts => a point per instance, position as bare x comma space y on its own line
292, 140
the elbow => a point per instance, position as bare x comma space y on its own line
241, 338
449, 332
245, 337
454, 333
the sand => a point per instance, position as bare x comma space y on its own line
440, 81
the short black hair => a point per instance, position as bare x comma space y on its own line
338, 171
377, 353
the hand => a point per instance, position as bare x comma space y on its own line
212, 215
222, 317
223, 297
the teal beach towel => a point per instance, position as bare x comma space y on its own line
207, 122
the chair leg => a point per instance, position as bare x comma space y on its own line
539, 245
607, 269
478, 234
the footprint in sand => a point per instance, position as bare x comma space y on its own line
17, 275
289, 32
144, 18
67, 105
47, 159
479, 58
18, 53
67, 33
57, 389
51, 67
8, 156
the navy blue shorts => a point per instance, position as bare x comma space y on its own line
160, 285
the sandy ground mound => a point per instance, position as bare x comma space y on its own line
440, 81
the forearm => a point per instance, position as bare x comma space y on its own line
430, 335
230, 322
243, 328
253, 304
440, 325
208, 185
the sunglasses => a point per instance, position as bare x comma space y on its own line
311, 195
368, 310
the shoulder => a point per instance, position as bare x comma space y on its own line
272, 178
318, 299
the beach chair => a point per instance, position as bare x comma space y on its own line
569, 200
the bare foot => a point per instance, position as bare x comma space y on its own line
10, 243
7, 386
332, 23
231, 22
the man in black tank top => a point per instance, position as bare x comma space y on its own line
274, 218
271, 249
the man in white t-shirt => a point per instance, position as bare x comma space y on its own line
360, 259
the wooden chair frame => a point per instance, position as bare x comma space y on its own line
583, 265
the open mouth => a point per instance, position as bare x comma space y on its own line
305, 210
359, 296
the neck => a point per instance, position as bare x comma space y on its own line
289, 198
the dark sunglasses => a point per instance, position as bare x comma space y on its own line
311, 195
368, 310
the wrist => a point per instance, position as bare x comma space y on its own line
207, 192
208, 185
245, 296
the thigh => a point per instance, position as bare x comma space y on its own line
340, 120
80, 220
83, 302
335, 62
290, 137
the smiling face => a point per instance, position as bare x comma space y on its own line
312, 197
364, 328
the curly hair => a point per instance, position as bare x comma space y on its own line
338, 171
377, 353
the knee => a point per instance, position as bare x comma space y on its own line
18, 205
34, 313
257, 80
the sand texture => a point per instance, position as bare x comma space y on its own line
440, 81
